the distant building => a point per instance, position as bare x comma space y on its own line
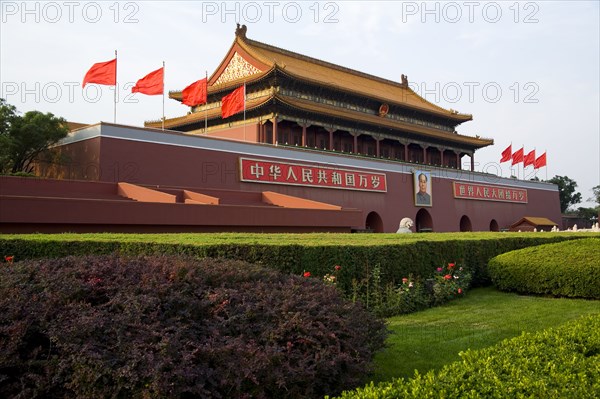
533, 224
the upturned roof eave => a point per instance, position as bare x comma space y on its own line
476, 142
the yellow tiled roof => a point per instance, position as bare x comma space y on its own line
342, 78
535, 221
327, 74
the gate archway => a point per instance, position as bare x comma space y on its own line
465, 224
423, 222
374, 222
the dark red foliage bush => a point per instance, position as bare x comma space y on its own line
148, 327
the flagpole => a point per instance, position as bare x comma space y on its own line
244, 111
546, 155
511, 153
206, 104
163, 93
116, 86
533, 164
523, 162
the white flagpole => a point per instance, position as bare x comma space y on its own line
533, 164
523, 162
163, 93
244, 111
206, 104
546, 166
116, 87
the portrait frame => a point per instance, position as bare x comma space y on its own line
425, 199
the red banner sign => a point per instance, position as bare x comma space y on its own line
489, 193
261, 171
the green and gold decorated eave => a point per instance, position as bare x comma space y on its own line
216, 92
212, 112
278, 103
399, 129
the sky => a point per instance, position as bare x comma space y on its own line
528, 72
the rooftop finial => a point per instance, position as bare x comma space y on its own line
404, 80
241, 31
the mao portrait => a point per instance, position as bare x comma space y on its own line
422, 185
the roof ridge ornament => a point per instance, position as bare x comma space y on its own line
404, 80
240, 31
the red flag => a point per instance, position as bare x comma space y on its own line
517, 156
529, 158
506, 154
151, 84
102, 73
233, 102
194, 94
540, 161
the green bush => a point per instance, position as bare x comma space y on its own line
554, 363
165, 327
396, 255
569, 269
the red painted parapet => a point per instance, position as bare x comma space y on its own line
191, 197
144, 194
287, 201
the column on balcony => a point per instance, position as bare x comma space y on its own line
330, 130
274, 138
355, 144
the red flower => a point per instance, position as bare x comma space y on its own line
337, 267
447, 277
460, 291
306, 274
94, 280
9, 259
450, 265
404, 280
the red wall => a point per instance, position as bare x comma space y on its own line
148, 163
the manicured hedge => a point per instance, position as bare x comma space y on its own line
554, 363
396, 255
172, 327
569, 269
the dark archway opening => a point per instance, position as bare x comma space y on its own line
465, 224
423, 222
494, 225
374, 223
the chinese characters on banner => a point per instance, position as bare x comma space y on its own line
261, 171
489, 193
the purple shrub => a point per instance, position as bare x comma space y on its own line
143, 327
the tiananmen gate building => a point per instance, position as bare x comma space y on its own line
317, 147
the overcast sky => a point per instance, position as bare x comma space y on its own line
528, 72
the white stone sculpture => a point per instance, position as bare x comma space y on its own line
405, 225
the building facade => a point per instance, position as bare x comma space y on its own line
318, 147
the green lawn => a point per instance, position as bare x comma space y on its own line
432, 338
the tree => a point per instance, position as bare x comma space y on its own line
8, 114
24, 138
590, 214
566, 192
596, 197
